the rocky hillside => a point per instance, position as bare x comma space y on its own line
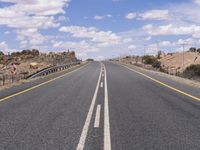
30, 61
177, 62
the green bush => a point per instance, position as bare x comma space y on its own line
151, 60
192, 70
156, 64
192, 49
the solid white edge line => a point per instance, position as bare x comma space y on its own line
97, 117
107, 140
89, 116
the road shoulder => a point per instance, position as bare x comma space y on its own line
188, 82
165, 80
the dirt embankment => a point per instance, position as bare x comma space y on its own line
179, 61
30, 61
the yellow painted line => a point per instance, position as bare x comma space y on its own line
39, 85
164, 84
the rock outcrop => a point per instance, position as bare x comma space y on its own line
32, 60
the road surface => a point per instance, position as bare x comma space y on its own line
101, 106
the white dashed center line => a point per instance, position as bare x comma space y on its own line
101, 84
84, 133
97, 117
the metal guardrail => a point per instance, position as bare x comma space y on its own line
53, 69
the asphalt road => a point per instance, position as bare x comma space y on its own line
101, 106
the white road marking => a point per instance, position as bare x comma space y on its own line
101, 84
89, 116
107, 140
97, 117
102, 75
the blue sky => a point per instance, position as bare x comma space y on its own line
99, 28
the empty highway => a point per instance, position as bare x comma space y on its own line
100, 106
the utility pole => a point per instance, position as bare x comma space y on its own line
195, 45
183, 58
144, 54
157, 45
130, 52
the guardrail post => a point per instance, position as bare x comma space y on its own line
12, 78
3, 78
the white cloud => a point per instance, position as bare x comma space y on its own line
3, 46
26, 16
39, 7
7, 32
100, 57
197, 2
102, 17
173, 46
23, 44
131, 47
82, 45
165, 44
5, 49
154, 15
147, 27
95, 40
99, 17
159, 45
82, 48
188, 41
92, 33
131, 16
147, 38
185, 14
29, 17
171, 29
151, 49
28, 22
63, 18
149, 15
92, 40
128, 40
32, 35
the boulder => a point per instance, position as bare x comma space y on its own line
34, 65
